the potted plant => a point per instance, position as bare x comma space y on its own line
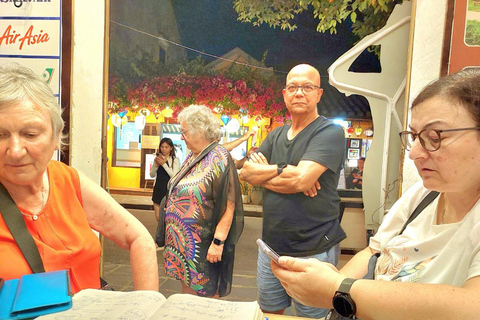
245, 196
256, 194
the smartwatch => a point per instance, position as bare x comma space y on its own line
280, 167
342, 301
218, 242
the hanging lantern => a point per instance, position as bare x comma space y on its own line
144, 112
358, 130
140, 122
122, 114
259, 121
232, 126
369, 132
116, 120
225, 118
167, 112
350, 130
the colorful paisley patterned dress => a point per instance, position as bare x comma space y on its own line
193, 209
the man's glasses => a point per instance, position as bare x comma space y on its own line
308, 88
430, 139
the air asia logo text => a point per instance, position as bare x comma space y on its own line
31, 37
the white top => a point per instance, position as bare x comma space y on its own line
171, 170
427, 252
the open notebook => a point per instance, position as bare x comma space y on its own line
98, 304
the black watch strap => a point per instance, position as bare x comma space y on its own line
346, 285
343, 302
218, 242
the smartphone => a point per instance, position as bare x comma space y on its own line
157, 154
267, 250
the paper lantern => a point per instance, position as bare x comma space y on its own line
259, 121
225, 118
144, 112
233, 126
358, 130
122, 114
369, 132
245, 119
116, 120
140, 122
167, 112
350, 131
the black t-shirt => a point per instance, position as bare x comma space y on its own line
295, 224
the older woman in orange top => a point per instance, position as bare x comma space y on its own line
60, 206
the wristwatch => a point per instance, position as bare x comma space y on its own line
280, 167
218, 242
342, 301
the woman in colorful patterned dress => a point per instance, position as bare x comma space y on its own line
204, 211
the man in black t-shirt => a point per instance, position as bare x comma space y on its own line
299, 165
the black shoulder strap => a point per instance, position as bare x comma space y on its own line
15, 223
422, 205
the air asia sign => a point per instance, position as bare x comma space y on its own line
30, 37
30, 34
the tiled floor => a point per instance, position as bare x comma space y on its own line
117, 267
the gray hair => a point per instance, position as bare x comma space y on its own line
201, 119
18, 84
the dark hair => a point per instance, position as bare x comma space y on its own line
462, 87
170, 143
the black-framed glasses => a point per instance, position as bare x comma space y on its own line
308, 88
430, 139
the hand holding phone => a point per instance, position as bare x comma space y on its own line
267, 250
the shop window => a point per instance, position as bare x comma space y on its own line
127, 146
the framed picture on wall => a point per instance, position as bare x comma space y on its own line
353, 154
354, 143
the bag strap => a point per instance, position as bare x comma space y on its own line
425, 202
15, 223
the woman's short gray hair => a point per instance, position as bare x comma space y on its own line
201, 119
18, 83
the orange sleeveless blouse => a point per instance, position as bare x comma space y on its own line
61, 232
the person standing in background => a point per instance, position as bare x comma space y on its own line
299, 165
165, 166
204, 210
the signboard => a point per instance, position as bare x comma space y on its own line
31, 35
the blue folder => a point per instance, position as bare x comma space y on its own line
35, 294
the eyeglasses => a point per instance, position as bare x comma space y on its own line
430, 139
308, 88
183, 132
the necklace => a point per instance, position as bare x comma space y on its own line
35, 215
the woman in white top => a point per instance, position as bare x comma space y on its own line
432, 269
165, 166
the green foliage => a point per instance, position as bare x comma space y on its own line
367, 16
472, 33
245, 187
257, 188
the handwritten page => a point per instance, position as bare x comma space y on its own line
189, 307
99, 304
93, 304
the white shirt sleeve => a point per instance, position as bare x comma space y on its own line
174, 168
153, 171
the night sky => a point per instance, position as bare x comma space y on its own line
211, 26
